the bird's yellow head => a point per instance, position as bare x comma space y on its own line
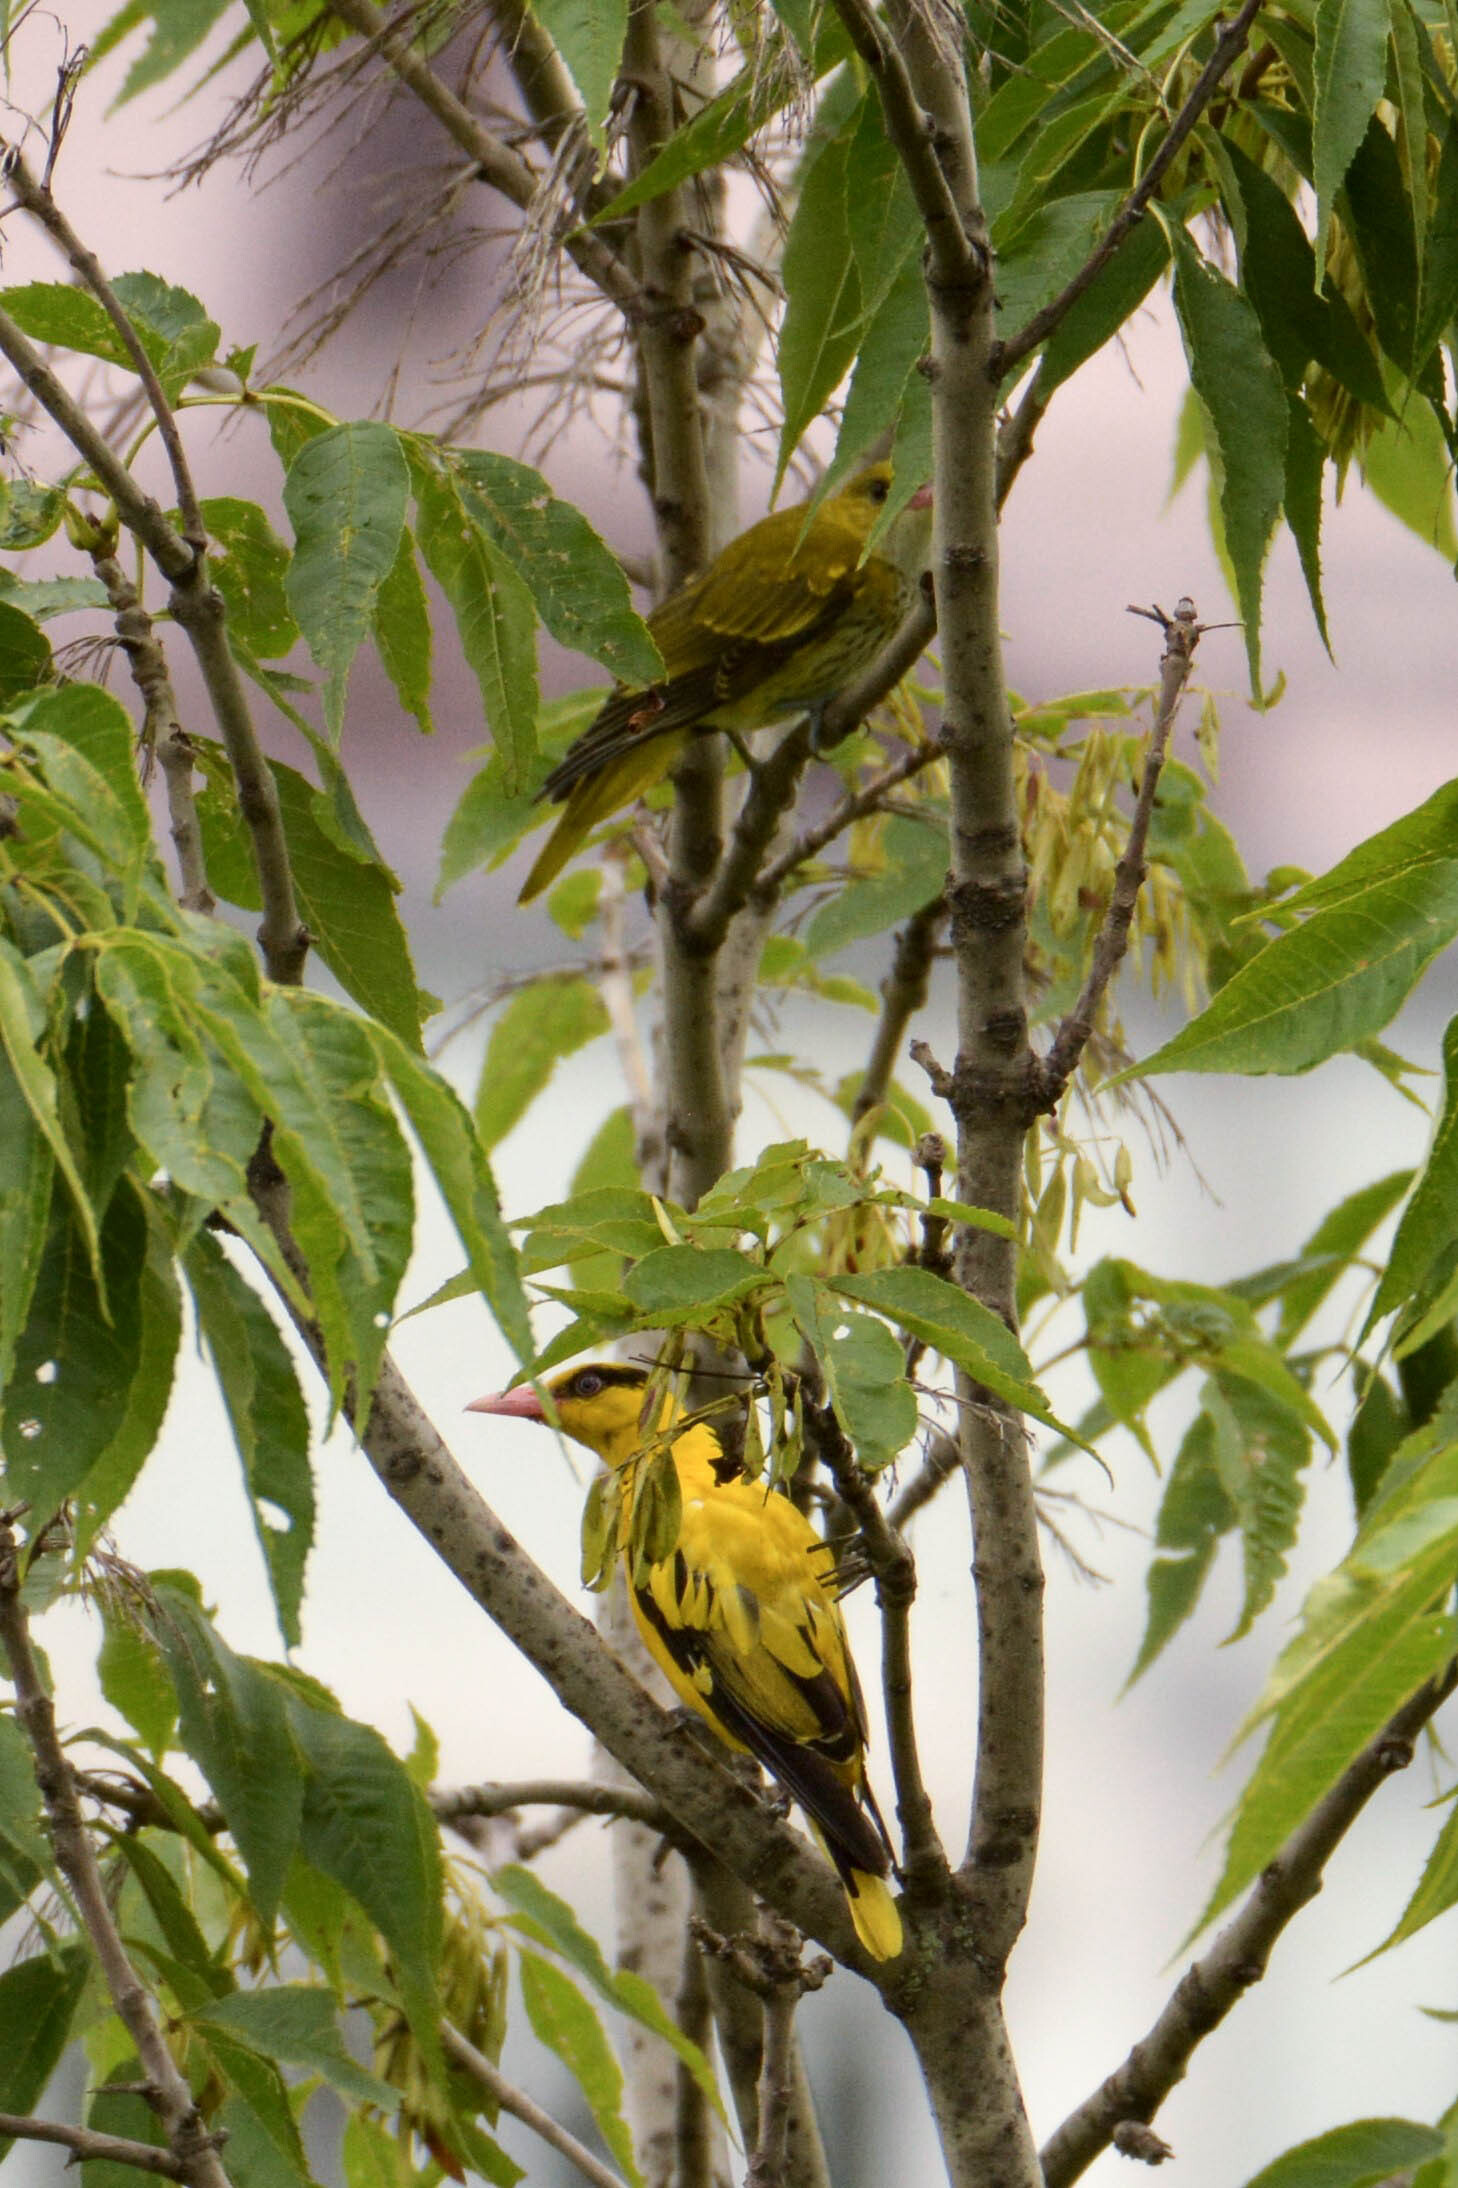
906, 541
600, 1405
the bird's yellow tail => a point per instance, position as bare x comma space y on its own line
874, 1913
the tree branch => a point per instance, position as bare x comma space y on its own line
591, 1800
499, 166
1238, 1957
83, 2142
192, 2148
35, 199
851, 808
464, 2056
1228, 48
1181, 637
903, 994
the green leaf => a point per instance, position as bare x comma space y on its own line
38, 2001
402, 632
1350, 75
675, 1283
459, 1165
822, 320
43, 597
494, 617
1379, 214
913, 873
1438, 281
539, 1026
562, 2019
1352, 2156
345, 495
108, 1481
27, 1151
896, 336
251, 573
1194, 1512
236, 1729
76, 1358
175, 330
178, 29
1408, 468
588, 34
346, 897
575, 581
1241, 390
365, 1825
298, 2023
1371, 928
83, 739
1259, 1449
134, 1679
268, 1417
25, 1851
865, 1372
1426, 1228
1331, 1248
25, 654
1102, 309
958, 1327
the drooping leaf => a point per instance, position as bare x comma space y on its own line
562, 2019
865, 1372
494, 617
38, 2001
268, 1417
1350, 75
589, 35
1370, 929
345, 495
1241, 390
541, 1025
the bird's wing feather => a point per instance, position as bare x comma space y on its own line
748, 1625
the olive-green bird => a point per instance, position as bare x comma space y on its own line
776, 625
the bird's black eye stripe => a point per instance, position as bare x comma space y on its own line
588, 1381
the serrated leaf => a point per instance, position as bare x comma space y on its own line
76, 1357
675, 1283
251, 573
865, 1372
562, 2019
25, 654
346, 900
494, 618
539, 1026
1372, 926
460, 1168
236, 1729
134, 1680
1194, 1512
38, 2001
576, 582
1240, 387
957, 1326
109, 1479
402, 632
365, 1825
268, 1417
1330, 1249
1438, 279
588, 34
1102, 309
821, 325
178, 29
1350, 75
345, 495
1353, 2156
299, 2024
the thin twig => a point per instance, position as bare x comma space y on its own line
778, 1949
1207, 1991
479, 2069
846, 812
1182, 635
84, 2142
192, 2147
591, 1799
499, 166
903, 993
1228, 47
35, 198
162, 730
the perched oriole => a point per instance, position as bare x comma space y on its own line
742, 1620
777, 624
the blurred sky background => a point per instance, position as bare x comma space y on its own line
1134, 1791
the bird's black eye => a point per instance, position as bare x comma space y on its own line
587, 1383
878, 489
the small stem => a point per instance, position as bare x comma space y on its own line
903, 994
850, 809
591, 1800
83, 2142
35, 198
464, 2056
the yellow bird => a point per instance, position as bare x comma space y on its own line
743, 1622
776, 625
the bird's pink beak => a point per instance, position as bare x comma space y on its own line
521, 1404
922, 498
